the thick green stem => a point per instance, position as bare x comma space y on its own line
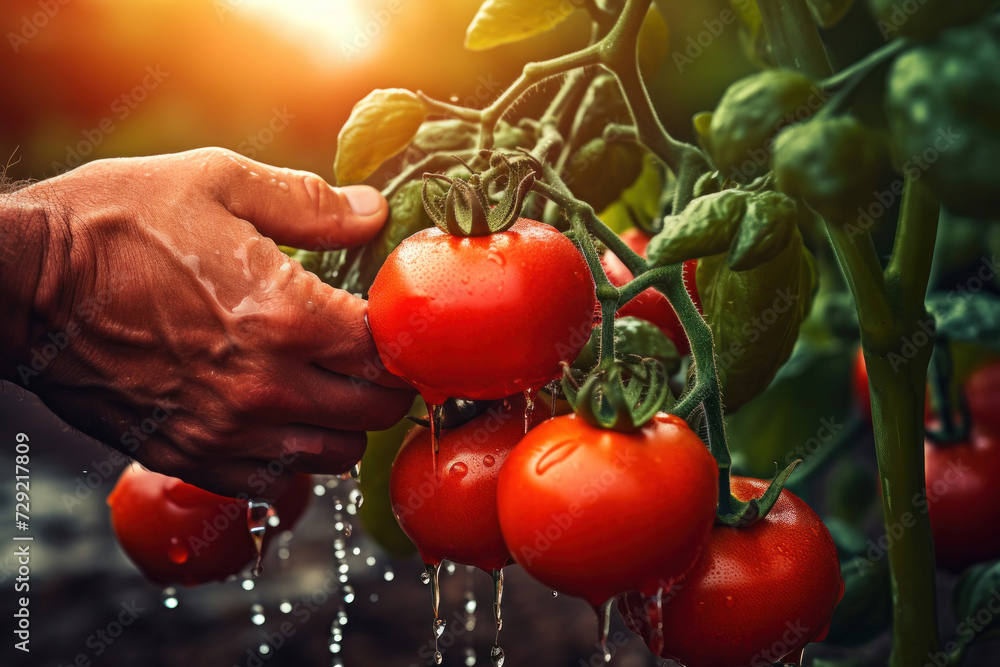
897, 372
794, 37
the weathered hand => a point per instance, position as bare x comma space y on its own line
168, 324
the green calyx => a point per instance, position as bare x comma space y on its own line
621, 395
747, 513
468, 207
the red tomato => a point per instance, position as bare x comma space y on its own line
178, 533
651, 305
982, 390
963, 499
593, 513
756, 594
481, 317
450, 510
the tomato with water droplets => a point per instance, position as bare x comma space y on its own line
481, 317
593, 512
449, 510
651, 305
177, 533
756, 594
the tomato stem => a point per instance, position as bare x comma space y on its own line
794, 37
891, 311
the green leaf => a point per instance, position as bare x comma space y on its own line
406, 217
829, 12
705, 227
633, 336
375, 513
503, 21
967, 318
750, 113
865, 611
380, 126
450, 134
802, 412
639, 204
978, 589
755, 316
834, 165
764, 232
600, 171
654, 42
601, 105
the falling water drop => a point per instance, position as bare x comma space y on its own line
496, 653
529, 407
258, 513
257, 614
356, 472
656, 622
555, 594
450, 568
170, 597
603, 628
425, 578
357, 498
433, 573
553, 397
470, 657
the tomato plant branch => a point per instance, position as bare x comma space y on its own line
865, 65
430, 162
897, 372
794, 37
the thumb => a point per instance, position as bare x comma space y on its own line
298, 208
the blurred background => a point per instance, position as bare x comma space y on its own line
275, 80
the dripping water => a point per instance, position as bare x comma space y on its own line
431, 575
258, 515
496, 653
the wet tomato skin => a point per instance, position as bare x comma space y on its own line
177, 533
450, 511
651, 305
963, 499
592, 513
755, 595
481, 317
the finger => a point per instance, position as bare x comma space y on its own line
311, 449
335, 336
312, 395
297, 208
233, 478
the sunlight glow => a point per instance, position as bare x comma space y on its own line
336, 31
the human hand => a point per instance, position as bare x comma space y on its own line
191, 342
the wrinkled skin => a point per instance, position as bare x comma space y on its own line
193, 343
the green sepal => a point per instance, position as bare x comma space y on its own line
764, 231
466, 209
750, 512
621, 395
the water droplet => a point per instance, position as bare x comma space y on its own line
247, 584
170, 600
258, 513
319, 489
357, 498
496, 257
488, 460
257, 614
348, 595
449, 568
389, 575
529, 407
730, 602
555, 594
176, 551
458, 470
356, 472
334, 647
425, 578
470, 657
438, 657
496, 656
285, 607
438, 627
283, 186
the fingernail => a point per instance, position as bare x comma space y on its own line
364, 199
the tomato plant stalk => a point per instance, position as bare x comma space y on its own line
891, 314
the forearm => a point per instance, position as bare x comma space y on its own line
27, 282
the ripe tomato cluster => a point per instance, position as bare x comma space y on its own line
590, 512
177, 533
